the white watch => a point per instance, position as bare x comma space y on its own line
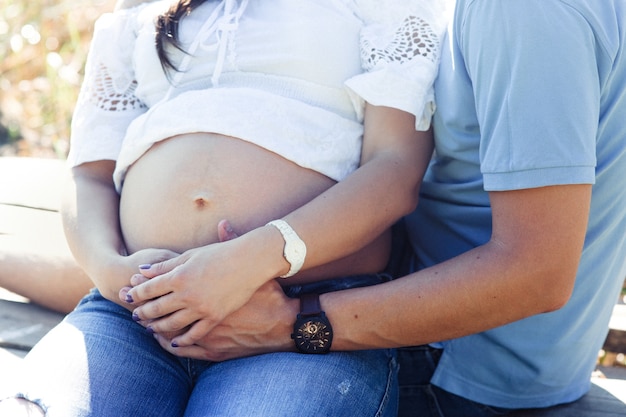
294, 250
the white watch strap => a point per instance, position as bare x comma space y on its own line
294, 250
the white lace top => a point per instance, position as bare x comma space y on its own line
291, 76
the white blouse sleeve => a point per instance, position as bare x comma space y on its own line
400, 51
107, 103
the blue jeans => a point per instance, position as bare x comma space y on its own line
99, 362
419, 398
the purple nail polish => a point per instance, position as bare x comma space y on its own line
136, 317
150, 330
129, 298
145, 266
174, 344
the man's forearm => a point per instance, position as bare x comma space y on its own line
528, 267
424, 307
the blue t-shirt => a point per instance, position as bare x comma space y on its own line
530, 93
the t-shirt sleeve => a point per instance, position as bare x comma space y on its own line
400, 52
537, 92
106, 103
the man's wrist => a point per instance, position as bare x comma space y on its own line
291, 312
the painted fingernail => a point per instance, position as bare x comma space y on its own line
145, 266
174, 344
150, 330
136, 317
129, 298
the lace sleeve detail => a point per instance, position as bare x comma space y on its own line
107, 103
414, 38
400, 51
109, 91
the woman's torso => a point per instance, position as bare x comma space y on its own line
176, 193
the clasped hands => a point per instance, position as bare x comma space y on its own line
217, 319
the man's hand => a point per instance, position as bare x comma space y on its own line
262, 325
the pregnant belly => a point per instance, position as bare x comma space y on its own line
175, 194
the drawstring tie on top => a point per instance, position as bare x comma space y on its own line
222, 23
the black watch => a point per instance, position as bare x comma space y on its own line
312, 331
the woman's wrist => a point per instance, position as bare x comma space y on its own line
294, 249
109, 272
266, 245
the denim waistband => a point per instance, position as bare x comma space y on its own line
337, 284
399, 265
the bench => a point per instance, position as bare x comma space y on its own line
607, 398
22, 324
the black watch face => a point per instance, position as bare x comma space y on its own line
313, 336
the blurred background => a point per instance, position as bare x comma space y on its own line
43, 46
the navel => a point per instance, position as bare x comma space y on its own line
201, 201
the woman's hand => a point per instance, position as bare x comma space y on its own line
198, 288
131, 263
